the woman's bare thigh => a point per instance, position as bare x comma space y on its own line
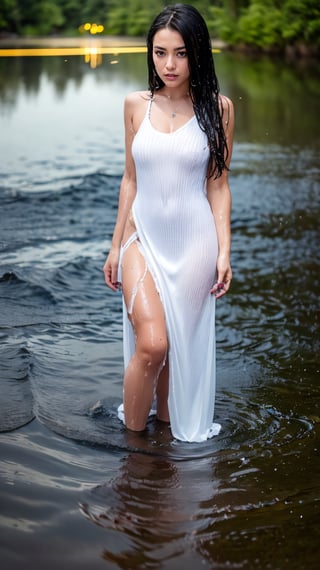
142, 300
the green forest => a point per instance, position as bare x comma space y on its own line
262, 24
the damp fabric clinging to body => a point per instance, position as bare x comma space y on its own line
176, 234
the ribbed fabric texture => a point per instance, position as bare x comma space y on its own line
178, 238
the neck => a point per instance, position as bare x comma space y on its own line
174, 94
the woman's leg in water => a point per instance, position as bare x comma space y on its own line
163, 393
146, 314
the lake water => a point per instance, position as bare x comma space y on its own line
77, 491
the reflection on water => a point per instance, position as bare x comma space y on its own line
276, 101
26, 73
200, 511
248, 498
92, 54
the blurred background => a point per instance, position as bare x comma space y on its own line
266, 24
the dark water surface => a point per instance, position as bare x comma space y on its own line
76, 490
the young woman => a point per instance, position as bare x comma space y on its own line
171, 243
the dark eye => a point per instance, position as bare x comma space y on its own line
182, 54
159, 52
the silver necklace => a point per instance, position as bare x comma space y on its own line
172, 113
176, 110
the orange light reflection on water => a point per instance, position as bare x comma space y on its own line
92, 55
25, 52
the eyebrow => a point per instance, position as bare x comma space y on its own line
164, 49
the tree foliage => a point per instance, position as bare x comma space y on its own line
260, 23
266, 23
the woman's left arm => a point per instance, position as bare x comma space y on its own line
219, 196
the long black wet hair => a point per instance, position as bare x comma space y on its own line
203, 83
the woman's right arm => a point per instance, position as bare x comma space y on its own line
126, 197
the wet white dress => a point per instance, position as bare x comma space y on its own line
177, 236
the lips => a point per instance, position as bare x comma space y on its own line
170, 76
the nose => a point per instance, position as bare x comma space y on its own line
170, 64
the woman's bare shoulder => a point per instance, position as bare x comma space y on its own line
137, 98
225, 102
135, 108
227, 109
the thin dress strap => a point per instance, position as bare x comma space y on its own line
149, 106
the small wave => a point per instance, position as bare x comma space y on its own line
253, 424
33, 226
11, 284
66, 186
16, 401
245, 424
68, 377
23, 302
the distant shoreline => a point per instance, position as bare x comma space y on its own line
300, 51
80, 41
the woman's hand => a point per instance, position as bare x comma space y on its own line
110, 269
224, 276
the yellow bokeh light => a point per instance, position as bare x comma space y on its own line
87, 26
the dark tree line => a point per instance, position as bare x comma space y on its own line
259, 23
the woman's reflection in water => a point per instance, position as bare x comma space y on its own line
157, 508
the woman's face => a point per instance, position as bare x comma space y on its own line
170, 58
